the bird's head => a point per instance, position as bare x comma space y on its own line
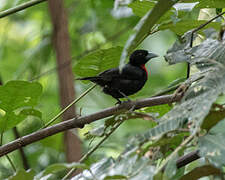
140, 57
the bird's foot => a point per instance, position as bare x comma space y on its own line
180, 91
122, 102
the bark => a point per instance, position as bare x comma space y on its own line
61, 43
80, 122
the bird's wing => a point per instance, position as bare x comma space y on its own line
128, 73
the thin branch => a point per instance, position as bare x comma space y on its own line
21, 151
11, 162
188, 158
186, 141
81, 121
92, 150
192, 37
72, 103
19, 8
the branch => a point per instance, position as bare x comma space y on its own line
81, 121
188, 158
19, 8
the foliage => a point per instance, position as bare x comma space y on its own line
149, 143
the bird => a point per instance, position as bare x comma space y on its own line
121, 83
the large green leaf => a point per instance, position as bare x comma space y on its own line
17, 99
212, 145
98, 61
144, 27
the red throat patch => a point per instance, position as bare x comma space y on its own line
143, 67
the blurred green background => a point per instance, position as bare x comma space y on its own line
26, 53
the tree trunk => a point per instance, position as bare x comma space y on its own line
61, 44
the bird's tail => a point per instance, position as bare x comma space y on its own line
87, 78
93, 78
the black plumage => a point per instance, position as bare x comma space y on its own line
127, 81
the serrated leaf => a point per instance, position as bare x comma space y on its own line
143, 28
212, 145
17, 99
98, 61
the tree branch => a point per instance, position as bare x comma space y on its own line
19, 8
81, 121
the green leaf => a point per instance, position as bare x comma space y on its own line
216, 114
212, 145
171, 168
22, 174
160, 110
17, 99
144, 27
140, 8
200, 172
207, 3
126, 167
54, 168
98, 61
183, 26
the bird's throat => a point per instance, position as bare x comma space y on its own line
143, 67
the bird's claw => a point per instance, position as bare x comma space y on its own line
180, 91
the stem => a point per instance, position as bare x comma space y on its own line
187, 140
19, 8
92, 150
11, 163
72, 103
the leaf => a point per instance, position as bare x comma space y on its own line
54, 168
185, 25
171, 168
17, 99
207, 3
126, 167
160, 110
204, 54
144, 27
202, 171
212, 145
216, 114
22, 174
179, 10
98, 61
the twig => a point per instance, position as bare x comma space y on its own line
72, 103
187, 140
19, 8
21, 151
192, 37
81, 121
186, 159
10, 162
92, 150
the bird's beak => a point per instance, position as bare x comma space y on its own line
151, 55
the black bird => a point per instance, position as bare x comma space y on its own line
128, 81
